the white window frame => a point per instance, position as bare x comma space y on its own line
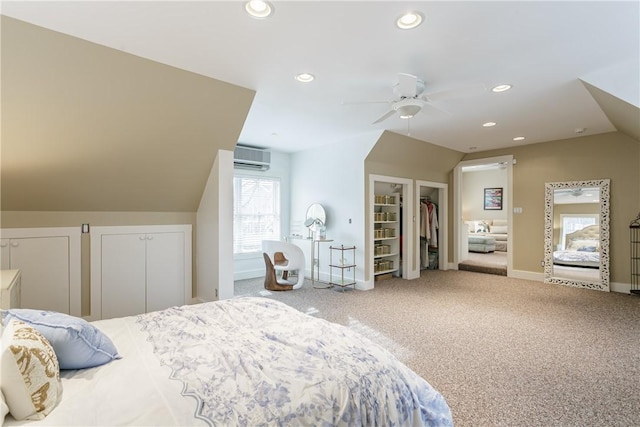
277, 209
563, 234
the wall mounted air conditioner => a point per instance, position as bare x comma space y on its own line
251, 158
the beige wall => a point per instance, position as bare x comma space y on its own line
473, 185
405, 157
611, 155
21, 219
89, 128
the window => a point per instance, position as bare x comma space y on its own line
256, 212
575, 222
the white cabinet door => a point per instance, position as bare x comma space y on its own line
138, 269
123, 274
44, 263
165, 270
5, 250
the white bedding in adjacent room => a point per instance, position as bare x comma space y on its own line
245, 361
577, 258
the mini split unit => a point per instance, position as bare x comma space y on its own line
251, 158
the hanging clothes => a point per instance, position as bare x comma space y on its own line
425, 229
432, 240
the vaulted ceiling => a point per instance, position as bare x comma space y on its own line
111, 106
544, 49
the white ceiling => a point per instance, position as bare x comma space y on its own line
355, 52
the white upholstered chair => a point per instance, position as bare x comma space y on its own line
281, 259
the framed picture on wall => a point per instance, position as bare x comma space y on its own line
493, 199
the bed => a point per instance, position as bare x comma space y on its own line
244, 362
582, 249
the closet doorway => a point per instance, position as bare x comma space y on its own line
483, 220
431, 237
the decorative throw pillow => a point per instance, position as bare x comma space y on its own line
30, 373
77, 343
583, 245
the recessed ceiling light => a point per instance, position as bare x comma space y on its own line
519, 138
258, 8
501, 88
409, 20
489, 124
305, 77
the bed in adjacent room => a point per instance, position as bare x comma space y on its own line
243, 362
582, 249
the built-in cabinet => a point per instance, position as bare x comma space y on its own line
139, 269
49, 262
386, 233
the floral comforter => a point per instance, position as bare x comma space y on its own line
256, 361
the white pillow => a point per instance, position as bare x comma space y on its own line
471, 225
499, 222
498, 229
30, 373
4, 409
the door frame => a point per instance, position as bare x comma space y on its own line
509, 161
443, 224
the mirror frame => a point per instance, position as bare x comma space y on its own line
603, 284
317, 213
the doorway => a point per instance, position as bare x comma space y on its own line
431, 237
483, 215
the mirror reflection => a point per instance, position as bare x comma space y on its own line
316, 220
576, 234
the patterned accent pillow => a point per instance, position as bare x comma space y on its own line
30, 374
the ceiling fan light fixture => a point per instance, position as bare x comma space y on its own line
408, 111
409, 20
258, 8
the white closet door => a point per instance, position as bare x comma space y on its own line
44, 264
123, 275
165, 270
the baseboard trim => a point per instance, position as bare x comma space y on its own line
527, 275
624, 288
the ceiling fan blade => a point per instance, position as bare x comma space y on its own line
407, 85
363, 102
461, 92
385, 116
434, 111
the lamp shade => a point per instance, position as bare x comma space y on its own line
408, 111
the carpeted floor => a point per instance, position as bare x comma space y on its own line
502, 351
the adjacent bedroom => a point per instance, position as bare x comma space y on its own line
486, 224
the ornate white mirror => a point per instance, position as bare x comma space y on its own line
576, 234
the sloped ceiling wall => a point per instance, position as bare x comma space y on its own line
624, 116
89, 128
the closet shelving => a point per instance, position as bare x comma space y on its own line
386, 234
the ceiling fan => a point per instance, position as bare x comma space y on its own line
411, 97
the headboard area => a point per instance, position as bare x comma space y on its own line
587, 237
